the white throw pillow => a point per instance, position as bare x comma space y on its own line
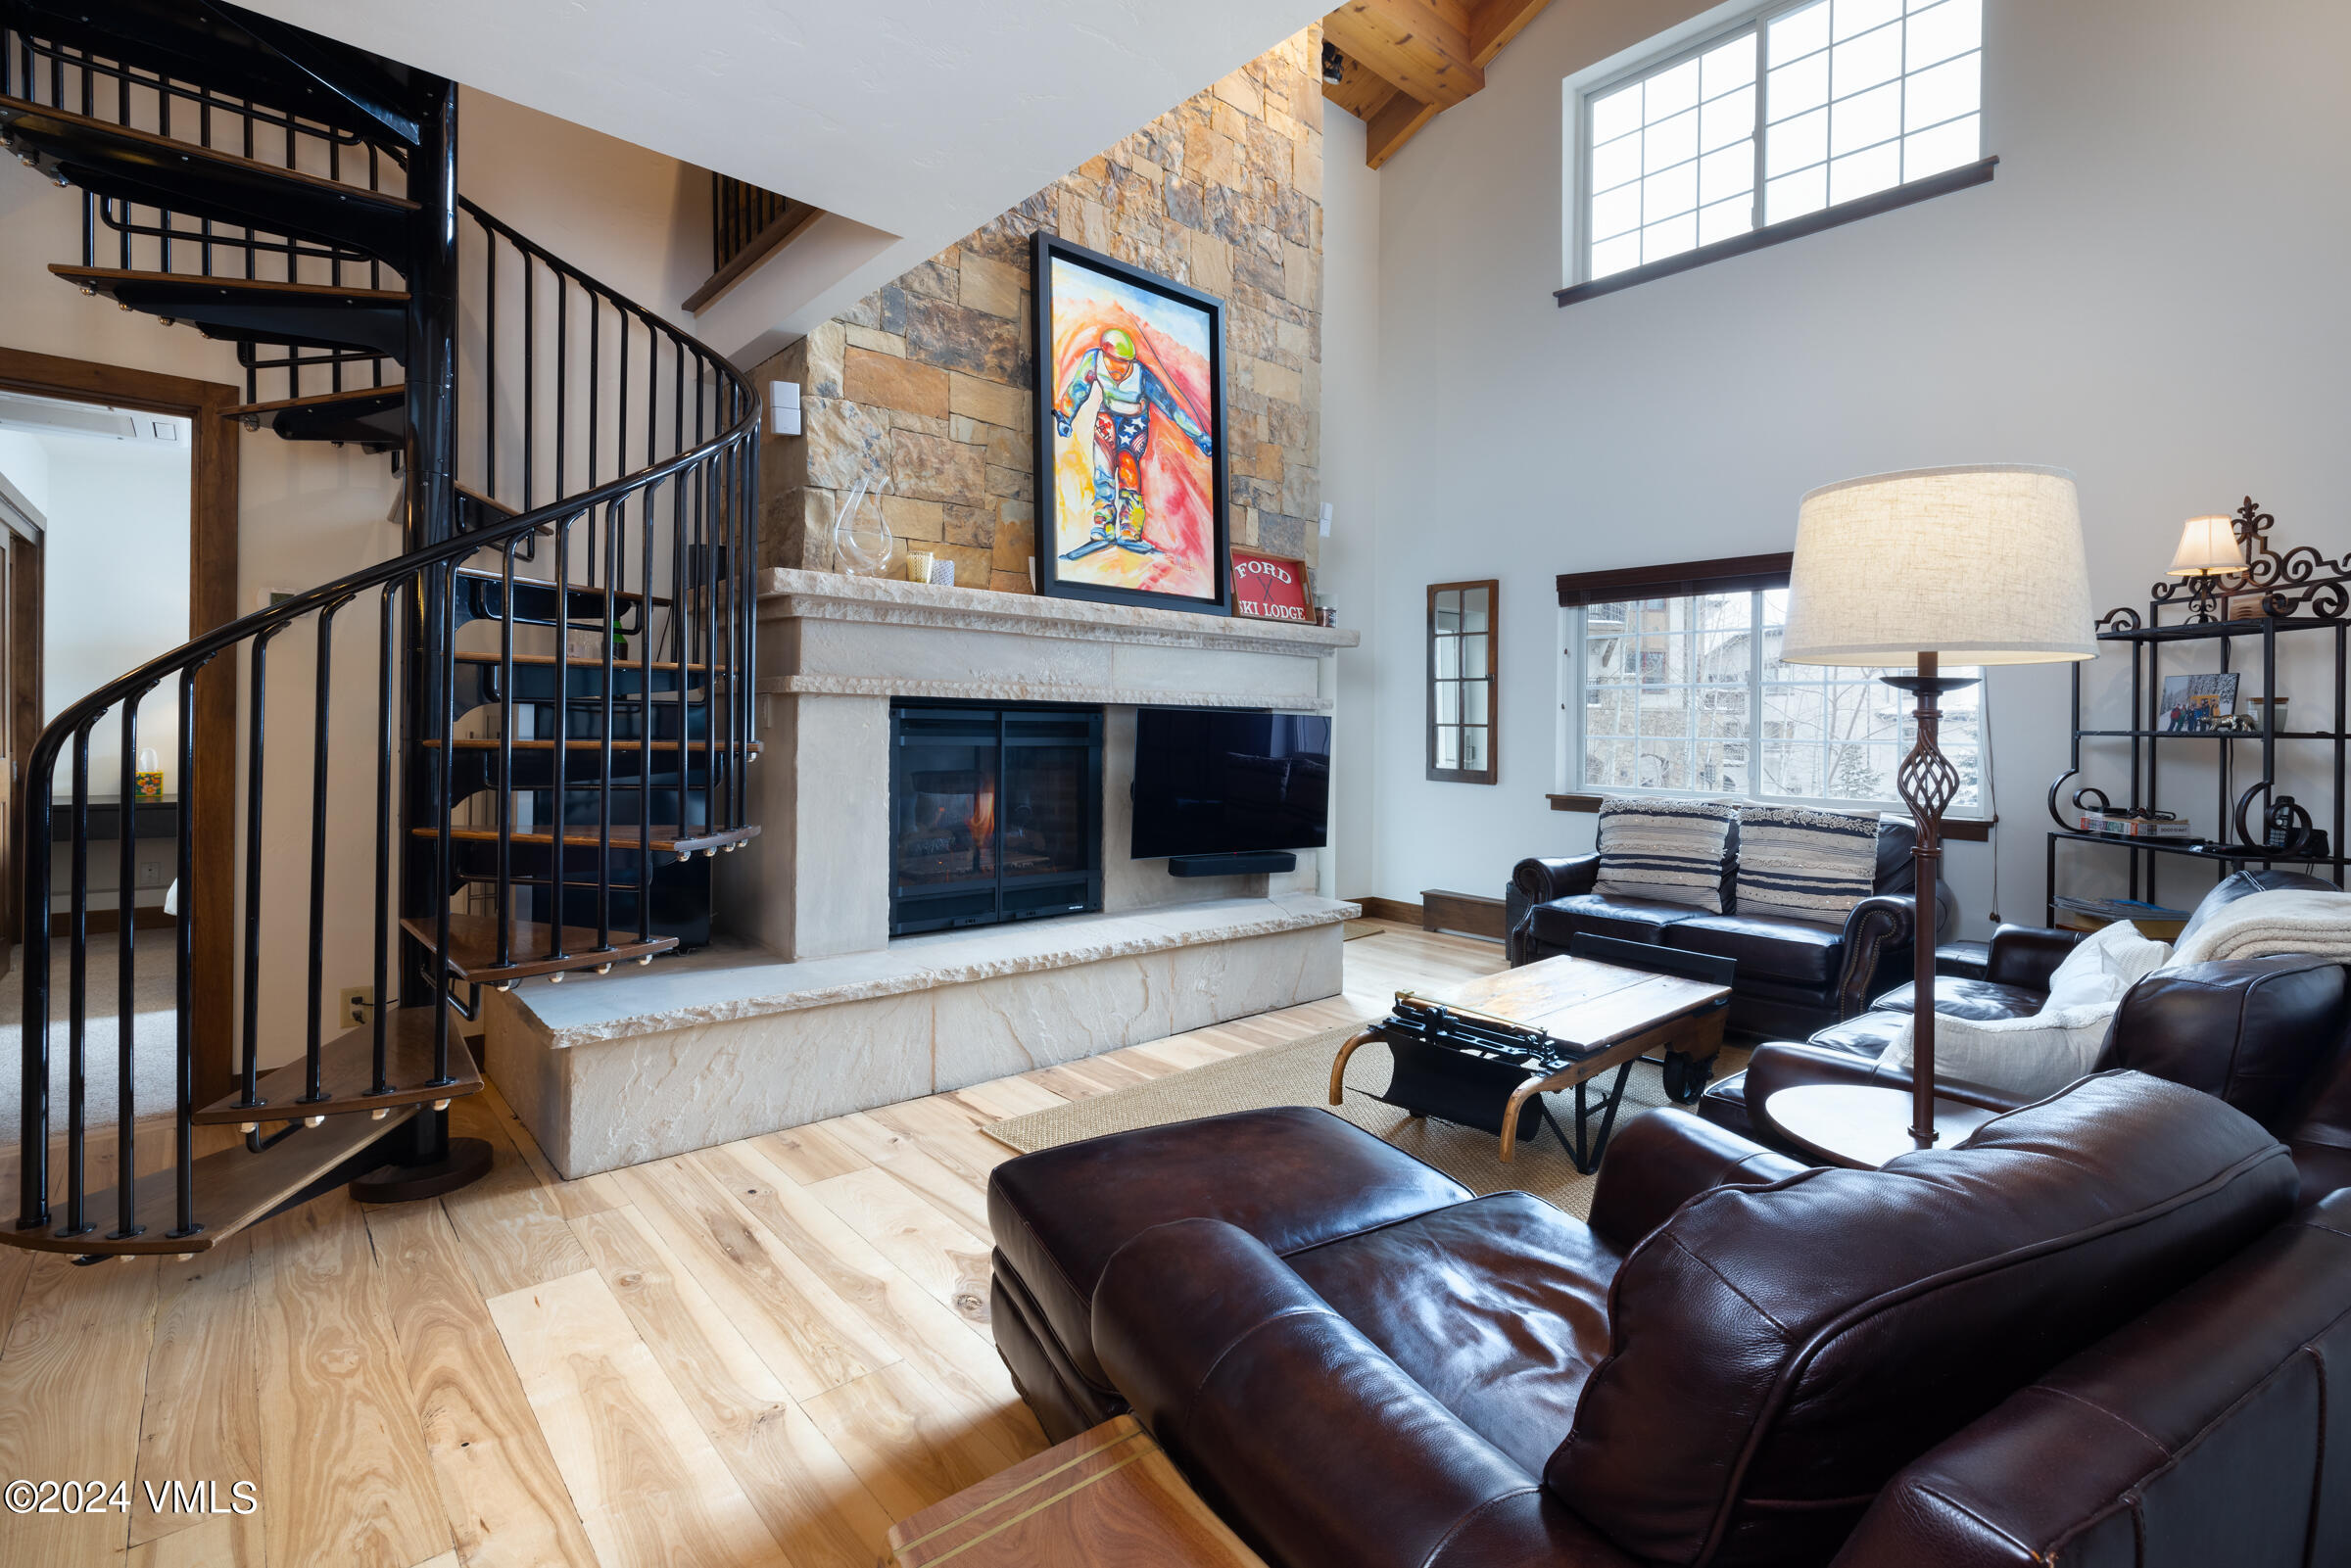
2043, 1053
2103, 965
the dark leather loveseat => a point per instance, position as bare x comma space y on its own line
1358, 1363
2272, 1036
1794, 976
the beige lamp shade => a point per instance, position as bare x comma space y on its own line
1979, 566
2207, 545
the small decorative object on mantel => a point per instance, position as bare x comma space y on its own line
1272, 588
2195, 704
862, 543
918, 565
942, 572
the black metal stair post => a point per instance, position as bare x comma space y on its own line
425, 1159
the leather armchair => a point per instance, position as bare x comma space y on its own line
1721, 1368
2199, 1433
2254, 1032
2271, 1036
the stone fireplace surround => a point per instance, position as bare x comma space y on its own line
809, 1009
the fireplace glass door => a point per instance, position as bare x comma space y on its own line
995, 815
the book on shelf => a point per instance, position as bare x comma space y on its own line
2115, 825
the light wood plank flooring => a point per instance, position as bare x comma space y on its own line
759, 1354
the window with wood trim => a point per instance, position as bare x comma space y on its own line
1682, 692
1793, 110
1464, 672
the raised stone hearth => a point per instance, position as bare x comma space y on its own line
811, 1010
730, 1042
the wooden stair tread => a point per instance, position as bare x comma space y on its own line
580, 663
234, 1188
500, 512
547, 584
319, 400
14, 110
667, 837
104, 278
492, 745
472, 953
347, 1066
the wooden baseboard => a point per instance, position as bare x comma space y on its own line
1467, 914
143, 918
1462, 913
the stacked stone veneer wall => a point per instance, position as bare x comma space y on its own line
927, 389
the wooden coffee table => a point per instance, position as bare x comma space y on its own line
1483, 1056
1108, 1496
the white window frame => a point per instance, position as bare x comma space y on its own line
1707, 31
1571, 750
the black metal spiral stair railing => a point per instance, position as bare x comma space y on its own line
537, 807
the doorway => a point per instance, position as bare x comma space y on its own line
137, 481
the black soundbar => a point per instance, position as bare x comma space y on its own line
1244, 864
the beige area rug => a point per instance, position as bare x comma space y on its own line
1299, 1073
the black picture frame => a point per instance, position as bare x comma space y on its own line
1050, 540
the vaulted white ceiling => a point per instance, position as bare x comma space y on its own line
917, 119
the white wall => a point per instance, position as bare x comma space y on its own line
115, 588
1347, 572
2148, 294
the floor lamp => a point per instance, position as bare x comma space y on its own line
1929, 570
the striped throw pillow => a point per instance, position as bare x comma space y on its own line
1668, 849
1800, 864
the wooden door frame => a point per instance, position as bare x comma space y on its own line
211, 601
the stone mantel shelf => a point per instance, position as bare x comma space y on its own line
787, 594
883, 686
727, 982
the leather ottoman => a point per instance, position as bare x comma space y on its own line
1294, 1177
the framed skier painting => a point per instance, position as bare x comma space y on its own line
1132, 502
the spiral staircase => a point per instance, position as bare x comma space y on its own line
557, 723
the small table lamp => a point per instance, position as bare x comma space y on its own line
2209, 550
1915, 570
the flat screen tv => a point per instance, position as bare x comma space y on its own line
1220, 780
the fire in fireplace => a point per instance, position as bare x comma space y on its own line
995, 814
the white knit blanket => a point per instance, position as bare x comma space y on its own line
2293, 919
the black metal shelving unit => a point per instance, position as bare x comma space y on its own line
2303, 594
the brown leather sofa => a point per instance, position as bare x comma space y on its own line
2272, 1036
1358, 1363
1794, 975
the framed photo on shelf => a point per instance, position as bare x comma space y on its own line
1131, 501
2195, 704
1270, 587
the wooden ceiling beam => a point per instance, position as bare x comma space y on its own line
1493, 24
1360, 90
1422, 46
1395, 125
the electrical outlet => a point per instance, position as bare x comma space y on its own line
358, 1002
151, 871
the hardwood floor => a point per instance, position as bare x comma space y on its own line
760, 1354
